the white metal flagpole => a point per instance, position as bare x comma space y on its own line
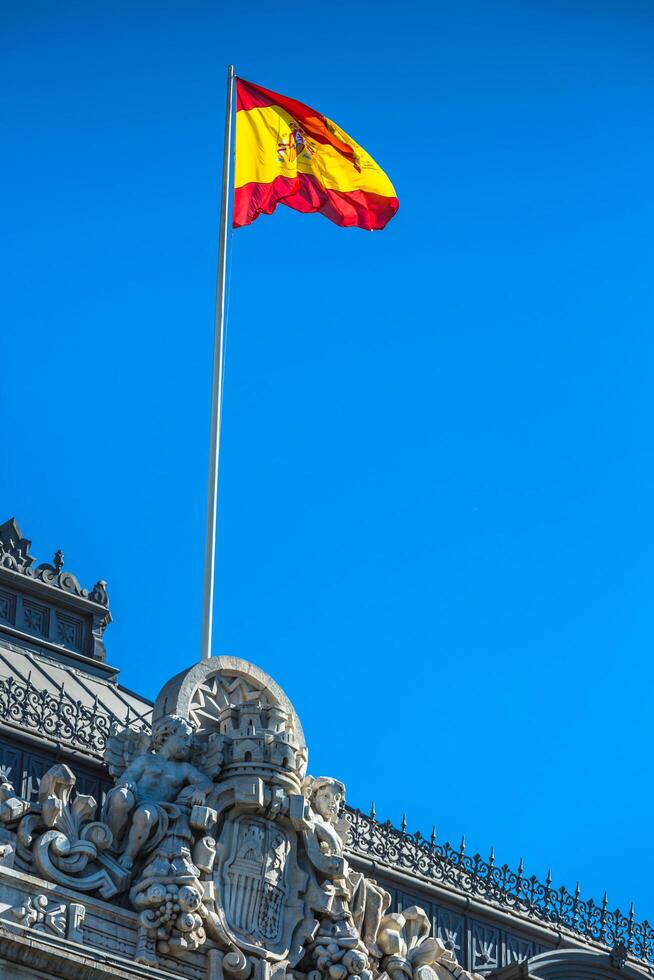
217, 385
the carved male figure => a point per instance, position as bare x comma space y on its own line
162, 775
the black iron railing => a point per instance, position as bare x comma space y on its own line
500, 885
55, 716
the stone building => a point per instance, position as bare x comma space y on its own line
185, 839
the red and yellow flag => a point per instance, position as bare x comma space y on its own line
287, 153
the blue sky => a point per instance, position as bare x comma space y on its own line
435, 524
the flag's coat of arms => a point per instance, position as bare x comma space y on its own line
294, 147
287, 153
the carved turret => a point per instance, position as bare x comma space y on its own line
259, 736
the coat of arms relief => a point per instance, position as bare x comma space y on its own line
216, 837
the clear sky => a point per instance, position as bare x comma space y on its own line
437, 478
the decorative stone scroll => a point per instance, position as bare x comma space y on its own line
15, 555
217, 838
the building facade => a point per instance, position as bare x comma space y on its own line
186, 839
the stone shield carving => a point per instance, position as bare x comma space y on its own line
258, 883
254, 878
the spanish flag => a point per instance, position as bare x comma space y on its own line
287, 153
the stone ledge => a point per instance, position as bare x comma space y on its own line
69, 961
108, 933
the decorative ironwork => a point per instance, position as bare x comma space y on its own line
58, 717
499, 884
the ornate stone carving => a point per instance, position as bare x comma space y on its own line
15, 555
38, 913
65, 842
168, 893
213, 831
155, 812
257, 883
12, 807
58, 837
410, 953
203, 691
14, 548
137, 808
69, 583
56, 918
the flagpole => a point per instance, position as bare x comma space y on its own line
217, 385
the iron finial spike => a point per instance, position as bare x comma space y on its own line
373, 812
433, 833
605, 900
403, 822
521, 866
491, 857
548, 880
463, 843
577, 890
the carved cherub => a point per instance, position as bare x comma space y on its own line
366, 900
327, 796
162, 774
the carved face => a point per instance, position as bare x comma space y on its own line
178, 744
327, 801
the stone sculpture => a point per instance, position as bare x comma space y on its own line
153, 778
215, 836
366, 901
